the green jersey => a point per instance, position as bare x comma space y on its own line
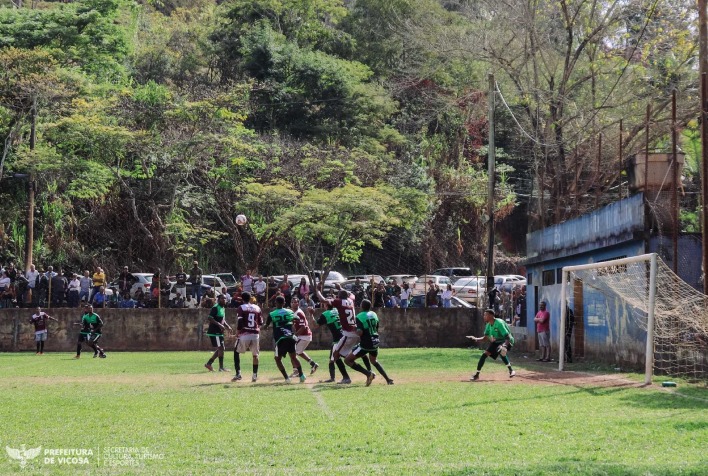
499, 330
91, 323
282, 324
218, 313
331, 319
368, 323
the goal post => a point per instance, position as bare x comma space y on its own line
648, 306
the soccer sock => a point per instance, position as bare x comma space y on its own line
41, 346
281, 367
237, 362
221, 361
331, 370
480, 364
255, 368
78, 349
359, 368
365, 359
505, 359
381, 370
312, 363
38, 346
299, 370
342, 368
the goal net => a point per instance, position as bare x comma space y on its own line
643, 298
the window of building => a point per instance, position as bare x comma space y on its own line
549, 277
559, 275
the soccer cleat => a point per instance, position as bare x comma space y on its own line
287, 379
222, 369
303, 378
370, 378
475, 377
209, 367
331, 380
254, 378
42, 353
345, 381
102, 355
77, 356
236, 378
95, 354
389, 382
314, 368
295, 374
38, 353
512, 374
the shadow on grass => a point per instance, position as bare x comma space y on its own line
585, 468
657, 400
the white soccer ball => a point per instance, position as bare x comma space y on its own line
241, 220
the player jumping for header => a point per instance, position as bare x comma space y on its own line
498, 334
248, 328
282, 320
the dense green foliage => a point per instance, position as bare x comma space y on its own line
432, 421
347, 132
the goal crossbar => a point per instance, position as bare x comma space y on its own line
652, 259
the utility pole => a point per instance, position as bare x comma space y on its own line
674, 189
29, 233
490, 190
703, 64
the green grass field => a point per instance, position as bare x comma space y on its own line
162, 413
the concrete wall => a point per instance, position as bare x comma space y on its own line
184, 329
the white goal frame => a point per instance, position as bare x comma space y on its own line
652, 259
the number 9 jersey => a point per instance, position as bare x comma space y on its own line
249, 319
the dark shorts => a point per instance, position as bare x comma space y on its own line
285, 346
217, 340
92, 337
360, 352
496, 346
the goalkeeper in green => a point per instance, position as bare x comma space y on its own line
498, 334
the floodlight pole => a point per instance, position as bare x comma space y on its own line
490, 189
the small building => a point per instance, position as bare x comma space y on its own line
622, 229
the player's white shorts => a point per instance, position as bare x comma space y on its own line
248, 343
302, 343
40, 336
346, 343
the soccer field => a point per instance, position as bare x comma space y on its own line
162, 413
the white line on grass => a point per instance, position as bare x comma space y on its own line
321, 402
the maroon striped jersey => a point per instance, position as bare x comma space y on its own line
347, 314
249, 319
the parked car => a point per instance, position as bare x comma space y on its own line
507, 282
402, 278
190, 290
418, 301
454, 273
140, 280
367, 277
469, 289
421, 285
229, 280
332, 277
